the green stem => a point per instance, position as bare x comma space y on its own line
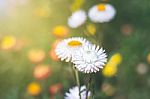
76, 74
78, 81
88, 85
93, 92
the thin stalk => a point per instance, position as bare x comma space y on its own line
77, 81
76, 74
88, 85
93, 92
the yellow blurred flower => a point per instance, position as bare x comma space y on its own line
112, 65
116, 59
42, 12
109, 71
76, 5
36, 55
8, 42
60, 31
91, 28
34, 88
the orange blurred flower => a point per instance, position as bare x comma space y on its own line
20, 44
36, 55
60, 31
53, 89
8, 42
34, 88
53, 55
41, 72
55, 43
148, 58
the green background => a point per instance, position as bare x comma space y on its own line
16, 69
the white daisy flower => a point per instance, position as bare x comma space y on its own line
90, 59
102, 13
66, 48
77, 19
74, 93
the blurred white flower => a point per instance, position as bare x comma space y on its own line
74, 93
102, 13
77, 19
66, 48
142, 68
3, 4
90, 59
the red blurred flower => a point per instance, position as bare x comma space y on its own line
126, 29
55, 88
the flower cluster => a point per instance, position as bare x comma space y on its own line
99, 13
87, 57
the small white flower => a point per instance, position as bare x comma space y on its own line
90, 59
74, 93
66, 48
77, 19
102, 13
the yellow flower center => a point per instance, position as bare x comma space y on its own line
74, 43
101, 7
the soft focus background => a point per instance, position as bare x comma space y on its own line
27, 45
